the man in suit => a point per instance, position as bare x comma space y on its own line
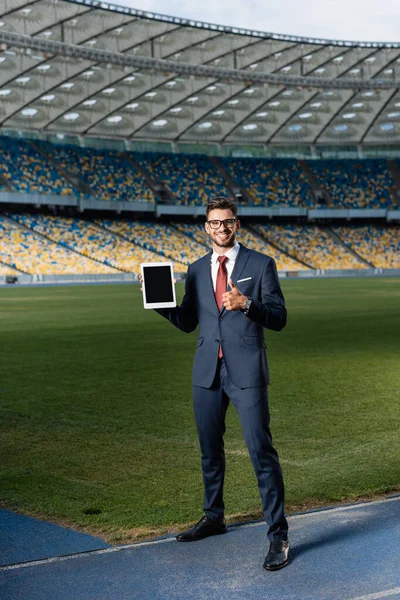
233, 293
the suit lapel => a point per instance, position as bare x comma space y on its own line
207, 281
241, 260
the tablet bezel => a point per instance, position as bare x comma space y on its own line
170, 304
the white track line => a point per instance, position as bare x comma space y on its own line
377, 595
89, 553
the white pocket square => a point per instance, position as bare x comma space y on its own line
245, 279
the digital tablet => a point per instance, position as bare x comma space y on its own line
158, 285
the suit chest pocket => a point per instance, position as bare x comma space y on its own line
246, 286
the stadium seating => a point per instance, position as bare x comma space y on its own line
311, 244
28, 170
108, 173
32, 253
161, 238
6, 270
249, 239
270, 182
355, 184
88, 239
121, 244
60, 245
378, 245
191, 178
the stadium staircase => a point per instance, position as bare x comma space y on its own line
149, 246
238, 193
13, 267
338, 240
274, 245
160, 189
318, 194
73, 179
6, 183
63, 244
394, 170
119, 235
189, 236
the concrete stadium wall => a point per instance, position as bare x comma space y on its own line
158, 210
62, 279
340, 273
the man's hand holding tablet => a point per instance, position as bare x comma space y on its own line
158, 288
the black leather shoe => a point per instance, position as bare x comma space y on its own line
204, 528
278, 556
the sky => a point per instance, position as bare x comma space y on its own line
355, 20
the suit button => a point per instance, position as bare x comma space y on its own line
220, 318
217, 341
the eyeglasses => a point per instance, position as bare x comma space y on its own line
216, 224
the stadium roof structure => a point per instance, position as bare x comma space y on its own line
91, 68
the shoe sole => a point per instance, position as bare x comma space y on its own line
197, 539
276, 568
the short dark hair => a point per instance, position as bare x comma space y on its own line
221, 203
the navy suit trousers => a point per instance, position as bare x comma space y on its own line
251, 404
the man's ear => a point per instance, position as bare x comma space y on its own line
206, 226
238, 224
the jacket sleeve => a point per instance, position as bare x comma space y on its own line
270, 312
184, 317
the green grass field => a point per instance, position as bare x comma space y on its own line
96, 424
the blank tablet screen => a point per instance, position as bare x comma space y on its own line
158, 284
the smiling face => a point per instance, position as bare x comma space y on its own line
224, 237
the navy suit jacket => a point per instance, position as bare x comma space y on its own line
241, 336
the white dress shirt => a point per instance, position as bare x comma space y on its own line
230, 263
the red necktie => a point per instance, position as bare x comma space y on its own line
222, 280
220, 287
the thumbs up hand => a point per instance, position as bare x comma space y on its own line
233, 300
